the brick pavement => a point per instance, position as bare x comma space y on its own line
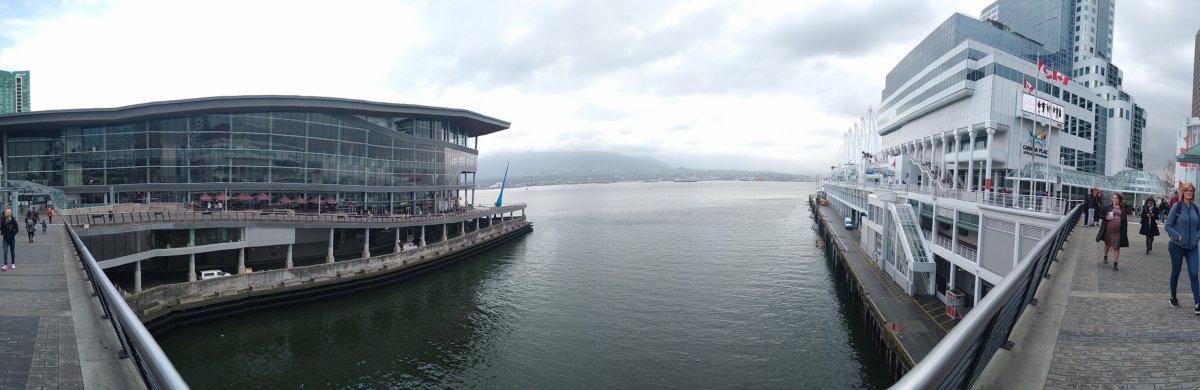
42, 303
1118, 330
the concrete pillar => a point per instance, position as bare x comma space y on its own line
329, 254
464, 228
137, 277
289, 257
971, 160
366, 243
991, 136
192, 267
954, 180
422, 235
241, 261
396, 244
477, 224
445, 232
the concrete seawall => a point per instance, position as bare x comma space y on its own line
165, 307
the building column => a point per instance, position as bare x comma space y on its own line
422, 236
192, 267
329, 255
932, 159
991, 136
954, 180
971, 161
445, 232
289, 257
464, 228
241, 261
137, 277
366, 243
477, 224
396, 244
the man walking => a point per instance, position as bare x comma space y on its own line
8, 229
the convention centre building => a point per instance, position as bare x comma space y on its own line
303, 153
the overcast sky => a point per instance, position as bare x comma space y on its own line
702, 84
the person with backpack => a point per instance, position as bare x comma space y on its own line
1149, 222
1183, 230
9, 229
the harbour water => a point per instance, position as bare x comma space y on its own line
627, 285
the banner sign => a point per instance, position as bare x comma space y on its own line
1043, 108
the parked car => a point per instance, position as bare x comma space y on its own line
213, 273
849, 223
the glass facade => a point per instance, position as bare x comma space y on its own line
348, 161
14, 91
954, 31
1049, 22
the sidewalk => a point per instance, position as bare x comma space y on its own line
1099, 328
51, 333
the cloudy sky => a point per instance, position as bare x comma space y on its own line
702, 84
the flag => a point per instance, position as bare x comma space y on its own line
1041, 66
1028, 86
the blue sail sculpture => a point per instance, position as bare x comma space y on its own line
500, 199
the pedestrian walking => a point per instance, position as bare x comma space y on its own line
1114, 229
9, 229
44, 226
1183, 231
1097, 204
30, 227
50, 215
1149, 223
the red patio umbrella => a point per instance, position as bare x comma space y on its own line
285, 200
222, 197
205, 197
331, 201
300, 200
264, 197
244, 197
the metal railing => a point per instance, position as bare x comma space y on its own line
957, 361
1041, 204
136, 341
273, 216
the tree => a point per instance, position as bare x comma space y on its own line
1168, 173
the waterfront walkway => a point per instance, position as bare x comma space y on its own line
921, 322
1099, 328
51, 332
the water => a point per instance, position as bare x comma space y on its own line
635, 285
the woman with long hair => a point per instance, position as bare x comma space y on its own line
1183, 230
1114, 228
1149, 222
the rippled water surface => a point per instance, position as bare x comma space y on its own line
635, 285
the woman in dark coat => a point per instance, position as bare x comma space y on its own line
1114, 228
1149, 222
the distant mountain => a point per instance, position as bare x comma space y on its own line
534, 168
561, 164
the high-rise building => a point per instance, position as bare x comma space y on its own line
991, 12
1081, 32
1196, 79
14, 91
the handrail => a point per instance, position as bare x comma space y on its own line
100, 218
156, 369
957, 360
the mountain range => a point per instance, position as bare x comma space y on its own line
593, 166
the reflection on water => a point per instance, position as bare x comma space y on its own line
677, 285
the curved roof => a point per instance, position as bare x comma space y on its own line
476, 124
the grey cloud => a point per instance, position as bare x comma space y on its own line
1154, 46
571, 46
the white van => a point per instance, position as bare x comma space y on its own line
213, 273
849, 223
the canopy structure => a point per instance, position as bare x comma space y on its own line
1129, 181
1190, 156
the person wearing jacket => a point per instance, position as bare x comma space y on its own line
1149, 222
1183, 230
9, 229
1114, 228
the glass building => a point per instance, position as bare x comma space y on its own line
306, 153
14, 91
